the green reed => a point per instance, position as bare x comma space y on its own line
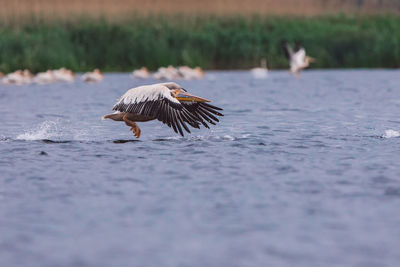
211, 42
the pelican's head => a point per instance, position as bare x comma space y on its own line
181, 94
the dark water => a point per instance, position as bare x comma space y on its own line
300, 172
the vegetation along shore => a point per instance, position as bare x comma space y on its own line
208, 41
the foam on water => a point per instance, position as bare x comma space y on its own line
391, 133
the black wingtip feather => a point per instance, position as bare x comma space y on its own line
211, 106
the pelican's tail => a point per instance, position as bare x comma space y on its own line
117, 116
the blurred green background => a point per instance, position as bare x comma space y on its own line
350, 39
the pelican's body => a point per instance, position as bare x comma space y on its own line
297, 57
44, 77
18, 77
167, 102
64, 75
92, 77
169, 73
183, 72
142, 73
187, 73
262, 72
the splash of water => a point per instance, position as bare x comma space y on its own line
54, 130
46, 130
391, 133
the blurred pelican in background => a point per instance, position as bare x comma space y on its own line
262, 72
142, 73
297, 57
92, 77
44, 77
187, 73
64, 75
183, 72
18, 77
169, 73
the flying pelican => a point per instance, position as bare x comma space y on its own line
297, 57
166, 102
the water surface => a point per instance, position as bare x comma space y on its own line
299, 172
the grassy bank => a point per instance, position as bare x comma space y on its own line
208, 41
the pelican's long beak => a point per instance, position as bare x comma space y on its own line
311, 59
184, 96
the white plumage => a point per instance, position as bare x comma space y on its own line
142, 73
146, 93
166, 102
262, 72
92, 77
297, 58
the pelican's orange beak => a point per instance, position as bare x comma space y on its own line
184, 96
311, 59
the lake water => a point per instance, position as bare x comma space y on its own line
299, 172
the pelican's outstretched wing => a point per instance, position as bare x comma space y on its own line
156, 101
287, 49
203, 111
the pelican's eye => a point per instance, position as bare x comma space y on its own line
174, 93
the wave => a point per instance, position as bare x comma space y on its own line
210, 137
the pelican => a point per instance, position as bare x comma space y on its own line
169, 73
262, 72
187, 73
166, 102
44, 77
142, 73
297, 57
64, 75
92, 77
18, 77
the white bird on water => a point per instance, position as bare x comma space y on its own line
92, 77
262, 72
166, 102
44, 77
18, 77
297, 57
64, 75
142, 73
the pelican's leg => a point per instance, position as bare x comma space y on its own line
134, 127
